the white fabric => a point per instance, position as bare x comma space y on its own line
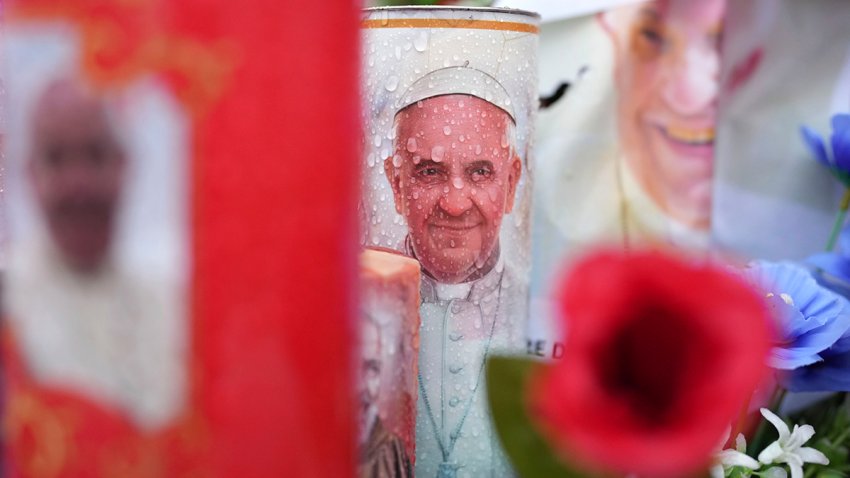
109, 337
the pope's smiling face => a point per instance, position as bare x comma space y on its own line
667, 65
454, 175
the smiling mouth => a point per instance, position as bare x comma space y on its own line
687, 136
455, 227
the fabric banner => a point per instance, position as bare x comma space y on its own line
180, 264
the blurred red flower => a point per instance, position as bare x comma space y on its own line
661, 356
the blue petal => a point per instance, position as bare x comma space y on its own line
836, 265
844, 239
789, 359
841, 346
840, 140
815, 144
830, 375
840, 122
792, 323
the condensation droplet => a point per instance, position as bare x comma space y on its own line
447, 130
392, 83
438, 153
421, 41
457, 183
493, 193
377, 140
397, 160
477, 149
411, 145
504, 140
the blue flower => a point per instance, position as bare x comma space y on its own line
832, 269
813, 327
839, 161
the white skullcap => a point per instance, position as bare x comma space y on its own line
458, 80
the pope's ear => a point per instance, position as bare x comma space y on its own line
513, 179
394, 177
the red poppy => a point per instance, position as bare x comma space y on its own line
661, 355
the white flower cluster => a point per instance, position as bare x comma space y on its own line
788, 449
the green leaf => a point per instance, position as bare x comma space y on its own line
529, 452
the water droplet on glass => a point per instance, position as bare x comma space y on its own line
397, 160
477, 149
504, 140
447, 130
411, 145
421, 41
392, 83
493, 193
457, 183
377, 140
438, 153
398, 52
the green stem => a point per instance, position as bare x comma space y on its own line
839, 220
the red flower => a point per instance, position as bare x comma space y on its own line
660, 357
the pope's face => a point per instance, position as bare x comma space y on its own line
454, 176
76, 167
667, 63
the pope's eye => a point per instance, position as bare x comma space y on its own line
480, 173
430, 173
651, 35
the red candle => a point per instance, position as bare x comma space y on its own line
271, 92
275, 200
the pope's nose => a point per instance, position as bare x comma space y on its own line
456, 201
693, 84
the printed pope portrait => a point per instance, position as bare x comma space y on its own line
97, 250
454, 173
666, 75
